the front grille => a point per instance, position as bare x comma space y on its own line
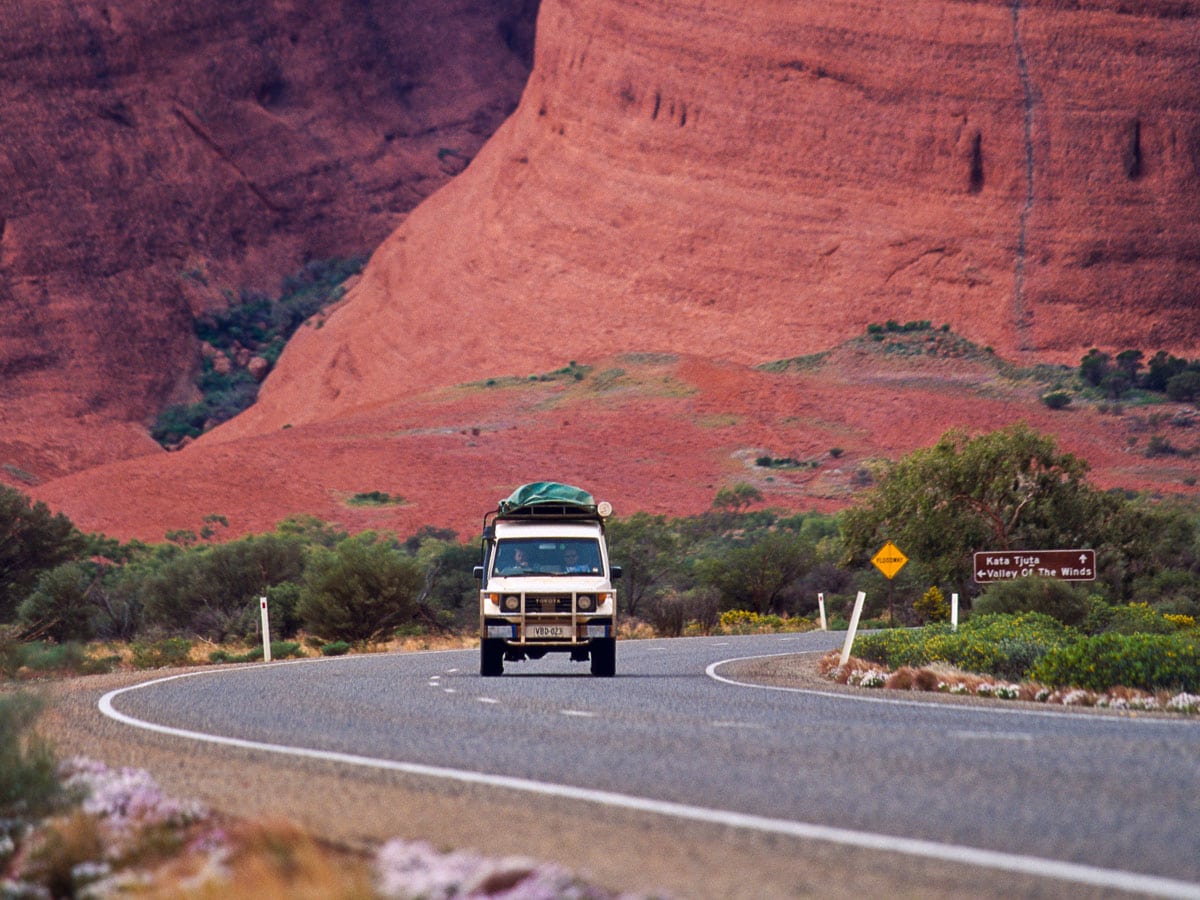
547, 604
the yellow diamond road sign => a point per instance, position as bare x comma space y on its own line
889, 560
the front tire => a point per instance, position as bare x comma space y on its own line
604, 657
491, 657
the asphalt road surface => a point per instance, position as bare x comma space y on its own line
1099, 802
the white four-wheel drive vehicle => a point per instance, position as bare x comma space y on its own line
546, 585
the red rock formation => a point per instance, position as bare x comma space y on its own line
750, 181
737, 182
154, 155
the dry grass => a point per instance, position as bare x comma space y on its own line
266, 861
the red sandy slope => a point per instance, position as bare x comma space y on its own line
656, 433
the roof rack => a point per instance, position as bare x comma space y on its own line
543, 500
549, 511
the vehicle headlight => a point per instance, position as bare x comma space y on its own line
586, 602
510, 603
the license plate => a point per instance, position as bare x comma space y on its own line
548, 631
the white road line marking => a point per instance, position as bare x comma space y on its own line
992, 735
581, 713
487, 699
449, 690
1077, 873
751, 725
711, 672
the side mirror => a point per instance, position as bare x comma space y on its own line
478, 572
614, 572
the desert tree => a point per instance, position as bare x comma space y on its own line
33, 540
1005, 490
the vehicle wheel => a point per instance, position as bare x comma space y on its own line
604, 657
491, 657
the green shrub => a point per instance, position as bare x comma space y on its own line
59, 607
224, 656
741, 621
933, 606
213, 591
279, 650
45, 656
1184, 387
374, 498
1170, 590
335, 648
361, 589
1058, 599
28, 782
257, 323
179, 421
1161, 446
996, 644
777, 462
285, 649
1148, 662
34, 541
283, 601
1138, 618
159, 654
1057, 399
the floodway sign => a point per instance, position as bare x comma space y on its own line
1065, 565
889, 560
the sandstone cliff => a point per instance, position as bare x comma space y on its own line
155, 156
718, 182
749, 181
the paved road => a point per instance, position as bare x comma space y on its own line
1100, 794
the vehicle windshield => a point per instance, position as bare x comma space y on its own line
547, 556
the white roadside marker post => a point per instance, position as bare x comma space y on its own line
266, 630
858, 606
821, 606
954, 612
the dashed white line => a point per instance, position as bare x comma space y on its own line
487, 699
992, 735
581, 713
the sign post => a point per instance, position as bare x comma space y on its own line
266, 630
991, 566
852, 630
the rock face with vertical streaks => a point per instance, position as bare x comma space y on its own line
753, 181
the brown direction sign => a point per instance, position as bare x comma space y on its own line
1065, 565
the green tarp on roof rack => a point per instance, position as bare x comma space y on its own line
547, 493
